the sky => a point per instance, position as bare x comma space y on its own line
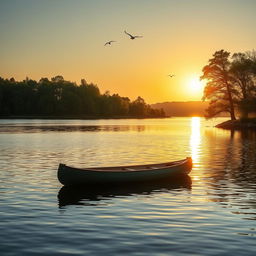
45, 38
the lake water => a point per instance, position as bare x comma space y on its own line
211, 212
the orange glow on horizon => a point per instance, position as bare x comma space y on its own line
130, 68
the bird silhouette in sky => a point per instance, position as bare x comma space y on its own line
171, 76
109, 42
131, 36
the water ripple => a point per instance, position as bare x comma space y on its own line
210, 212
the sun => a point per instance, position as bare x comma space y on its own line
194, 85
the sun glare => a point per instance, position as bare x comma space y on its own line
194, 85
195, 138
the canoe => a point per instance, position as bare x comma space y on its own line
134, 173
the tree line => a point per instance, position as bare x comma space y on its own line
231, 84
58, 97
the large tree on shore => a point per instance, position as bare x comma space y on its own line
243, 71
219, 88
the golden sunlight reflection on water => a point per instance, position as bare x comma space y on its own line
195, 139
215, 203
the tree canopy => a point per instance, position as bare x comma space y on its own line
60, 98
231, 83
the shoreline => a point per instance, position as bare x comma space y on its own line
80, 117
238, 124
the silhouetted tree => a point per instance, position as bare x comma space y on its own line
57, 79
219, 89
138, 107
58, 97
243, 71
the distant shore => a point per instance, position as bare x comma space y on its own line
80, 117
238, 124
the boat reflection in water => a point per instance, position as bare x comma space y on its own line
90, 195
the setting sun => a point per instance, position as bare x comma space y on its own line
194, 85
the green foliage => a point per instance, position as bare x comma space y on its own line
59, 98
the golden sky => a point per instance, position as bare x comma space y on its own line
62, 37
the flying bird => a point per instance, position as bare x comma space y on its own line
171, 76
109, 42
131, 36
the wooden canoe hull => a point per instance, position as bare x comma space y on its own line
73, 176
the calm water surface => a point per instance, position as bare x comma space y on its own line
211, 212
